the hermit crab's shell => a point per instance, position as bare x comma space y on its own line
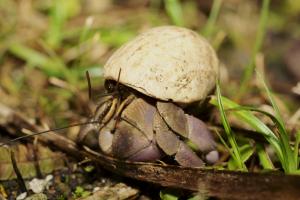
167, 63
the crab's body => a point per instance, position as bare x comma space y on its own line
155, 72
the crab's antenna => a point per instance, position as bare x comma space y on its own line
47, 131
89, 84
118, 81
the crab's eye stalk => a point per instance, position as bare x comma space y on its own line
110, 86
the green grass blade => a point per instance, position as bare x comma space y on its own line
174, 11
245, 115
272, 100
227, 147
228, 131
168, 194
254, 122
284, 138
59, 13
246, 152
275, 120
116, 36
210, 24
50, 66
296, 148
264, 158
257, 46
225, 144
57, 20
289, 163
281, 143
84, 35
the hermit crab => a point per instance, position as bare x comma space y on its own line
149, 81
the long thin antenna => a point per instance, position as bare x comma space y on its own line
89, 84
118, 81
47, 131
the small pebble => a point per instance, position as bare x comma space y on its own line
212, 157
40, 196
39, 185
22, 196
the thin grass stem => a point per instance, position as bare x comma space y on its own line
230, 136
211, 21
248, 73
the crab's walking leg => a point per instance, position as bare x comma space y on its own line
105, 108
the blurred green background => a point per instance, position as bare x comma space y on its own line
47, 45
